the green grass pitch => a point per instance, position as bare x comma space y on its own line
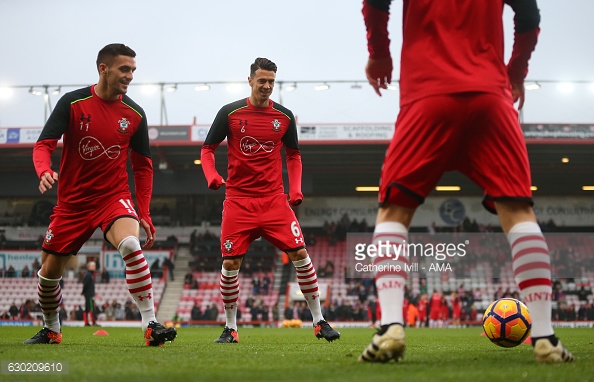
289, 354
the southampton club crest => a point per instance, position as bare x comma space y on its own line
124, 125
48, 237
276, 125
228, 245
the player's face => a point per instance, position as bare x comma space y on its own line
262, 84
120, 73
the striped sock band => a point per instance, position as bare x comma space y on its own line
308, 283
531, 264
50, 298
229, 287
138, 278
391, 239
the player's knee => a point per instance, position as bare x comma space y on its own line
129, 244
231, 264
297, 255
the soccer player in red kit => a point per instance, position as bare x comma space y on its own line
435, 309
256, 129
457, 113
101, 127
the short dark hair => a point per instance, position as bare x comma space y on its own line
262, 63
111, 51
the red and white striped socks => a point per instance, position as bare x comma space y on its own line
531, 263
390, 283
308, 283
229, 287
50, 298
138, 278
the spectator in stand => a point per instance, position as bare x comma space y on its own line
288, 314
265, 284
109, 310
582, 313
25, 272
25, 310
275, 313
256, 284
583, 294
167, 263
188, 278
193, 239
105, 276
264, 313
11, 272
35, 266
247, 270
156, 270
498, 294
359, 312
213, 313
570, 315
306, 315
329, 268
196, 313
14, 311
296, 310
255, 312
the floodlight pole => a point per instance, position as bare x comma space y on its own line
163, 106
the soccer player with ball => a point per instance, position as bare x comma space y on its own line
457, 112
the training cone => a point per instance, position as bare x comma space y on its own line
101, 333
528, 341
483, 334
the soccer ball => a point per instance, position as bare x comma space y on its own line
507, 322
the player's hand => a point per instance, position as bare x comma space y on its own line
518, 93
295, 198
150, 231
379, 73
215, 184
47, 180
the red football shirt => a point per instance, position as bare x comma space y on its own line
454, 46
255, 137
97, 136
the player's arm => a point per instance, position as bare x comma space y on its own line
217, 133
526, 21
376, 14
47, 142
142, 166
294, 166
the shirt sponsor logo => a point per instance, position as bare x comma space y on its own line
250, 146
90, 148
